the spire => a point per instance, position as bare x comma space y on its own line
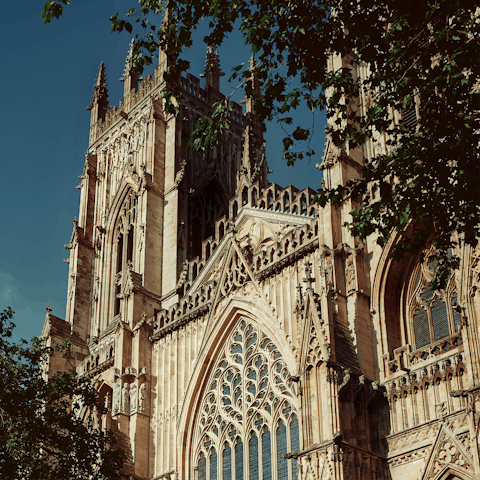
212, 68
130, 76
254, 164
250, 99
167, 21
99, 105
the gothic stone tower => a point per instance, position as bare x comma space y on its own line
238, 332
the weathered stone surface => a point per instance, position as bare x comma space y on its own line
223, 314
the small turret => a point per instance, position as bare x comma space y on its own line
130, 76
212, 69
162, 54
99, 105
254, 166
250, 99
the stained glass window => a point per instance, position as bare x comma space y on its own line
249, 387
213, 466
239, 461
227, 463
421, 328
295, 443
281, 451
432, 311
266, 455
253, 454
202, 467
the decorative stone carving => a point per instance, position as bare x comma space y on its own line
249, 387
350, 273
116, 399
133, 398
125, 399
141, 399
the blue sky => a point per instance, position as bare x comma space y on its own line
47, 78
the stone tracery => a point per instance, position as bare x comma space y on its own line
250, 400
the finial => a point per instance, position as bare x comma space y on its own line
130, 76
308, 276
212, 68
100, 87
48, 308
99, 104
75, 221
299, 299
254, 87
164, 59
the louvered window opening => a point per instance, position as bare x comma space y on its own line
433, 313
409, 118
248, 418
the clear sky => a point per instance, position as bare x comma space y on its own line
46, 83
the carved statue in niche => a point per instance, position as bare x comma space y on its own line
125, 399
71, 289
326, 269
133, 398
141, 400
106, 402
350, 273
141, 237
96, 288
116, 399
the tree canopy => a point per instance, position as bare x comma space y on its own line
43, 434
418, 92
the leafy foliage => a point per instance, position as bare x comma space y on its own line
415, 57
42, 433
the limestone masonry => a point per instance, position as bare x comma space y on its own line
237, 330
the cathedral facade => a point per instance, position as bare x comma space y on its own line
237, 330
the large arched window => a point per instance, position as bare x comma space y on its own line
431, 313
248, 419
124, 241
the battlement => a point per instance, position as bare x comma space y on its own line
194, 301
190, 87
274, 198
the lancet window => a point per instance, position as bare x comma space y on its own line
432, 313
124, 242
248, 418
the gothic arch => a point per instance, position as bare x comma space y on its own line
237, 315
107, 274
388, 279
117, 204
452, 473
397, 288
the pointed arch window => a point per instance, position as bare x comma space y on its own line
202, 467
213, 465
239, 460
227, 462
249, 411
253, 447
124, 242
282, 449
267, 455
432, 313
